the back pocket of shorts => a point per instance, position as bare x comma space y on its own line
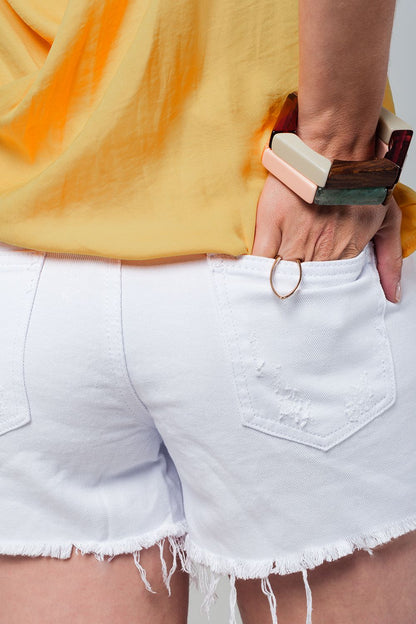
314, 368
19, 274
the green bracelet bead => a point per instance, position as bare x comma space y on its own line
345, 197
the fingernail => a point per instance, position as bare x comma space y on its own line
398, 292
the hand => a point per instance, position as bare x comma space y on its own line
287, 225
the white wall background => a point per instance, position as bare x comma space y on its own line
402, 76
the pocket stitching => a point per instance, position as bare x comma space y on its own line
221, 304
320, 269
261, 423
19, 395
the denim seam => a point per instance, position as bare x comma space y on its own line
315, 269
221, 306
112, 325
39, 263
124, 357
311, 273
225, 303
334, 273
17, 365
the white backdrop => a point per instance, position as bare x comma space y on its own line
402, 77
402, 80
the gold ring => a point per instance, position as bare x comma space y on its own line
274, 265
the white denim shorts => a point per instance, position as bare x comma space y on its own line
144, 401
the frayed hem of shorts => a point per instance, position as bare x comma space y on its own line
174, 534
100, 549
206, 568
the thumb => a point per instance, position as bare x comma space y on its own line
388, 248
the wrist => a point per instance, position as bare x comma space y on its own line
338, 144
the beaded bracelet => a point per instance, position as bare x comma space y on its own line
319, 180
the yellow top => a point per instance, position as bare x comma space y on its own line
134, 128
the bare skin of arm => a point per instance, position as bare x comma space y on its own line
344, 50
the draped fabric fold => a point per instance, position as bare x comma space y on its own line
134, 128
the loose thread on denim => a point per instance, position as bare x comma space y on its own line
161, 545
233, 600
136, 557
210, 593
266, 588
173, 547
308, 597
180, 551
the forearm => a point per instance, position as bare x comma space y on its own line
344, 50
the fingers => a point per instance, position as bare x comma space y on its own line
267, 240
287, 226
268, 234
388, 249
